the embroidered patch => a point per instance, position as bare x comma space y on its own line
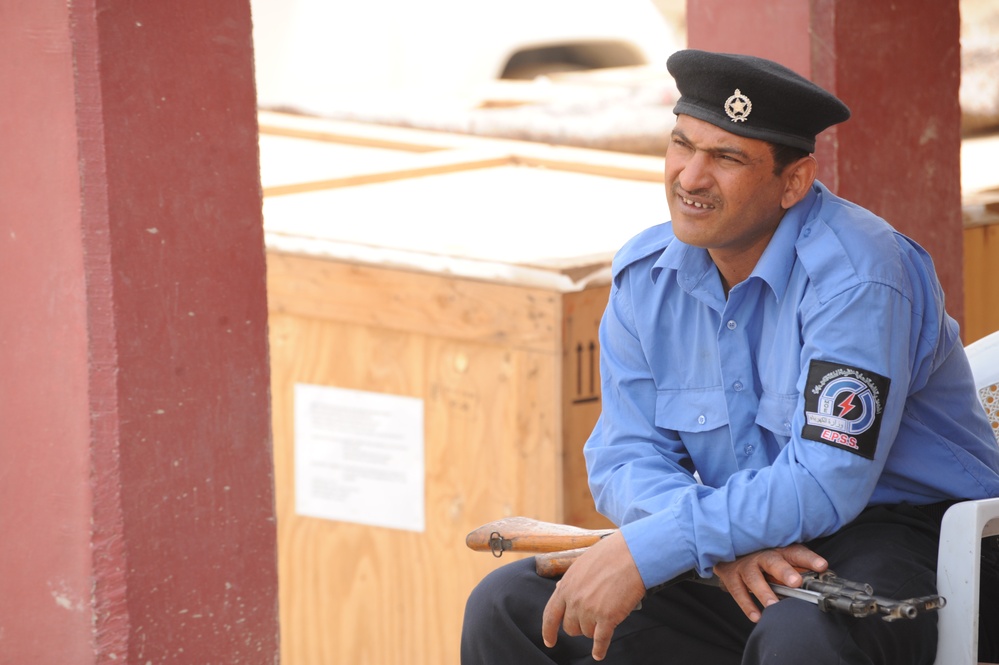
843, 407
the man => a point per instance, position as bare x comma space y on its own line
793, 350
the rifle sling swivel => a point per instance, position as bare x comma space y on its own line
498, 544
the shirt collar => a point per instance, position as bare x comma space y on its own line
692, 264
774, 266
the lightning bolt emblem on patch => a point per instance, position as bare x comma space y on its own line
847, 405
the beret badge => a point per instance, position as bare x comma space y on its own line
786, 108
738, 107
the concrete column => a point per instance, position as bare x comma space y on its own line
136, 491
897, 65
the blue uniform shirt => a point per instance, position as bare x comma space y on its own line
830, 380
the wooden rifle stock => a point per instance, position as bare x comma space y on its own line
554, 564
523, 534
557, 546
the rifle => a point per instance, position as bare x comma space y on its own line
556, 546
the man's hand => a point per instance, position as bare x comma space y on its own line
597, 593
747, 575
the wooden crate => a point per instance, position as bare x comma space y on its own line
980, 190
981, 258
470, 274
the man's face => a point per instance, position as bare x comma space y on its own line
722, 192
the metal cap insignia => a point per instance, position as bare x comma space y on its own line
738, 107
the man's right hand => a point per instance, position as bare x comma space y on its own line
597, 593
747, 576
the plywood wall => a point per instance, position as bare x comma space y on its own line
981, 281
487, 361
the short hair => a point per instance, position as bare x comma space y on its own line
784, 155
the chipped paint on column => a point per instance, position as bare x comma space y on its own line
109, 575
138, 490
190, 329
897, 65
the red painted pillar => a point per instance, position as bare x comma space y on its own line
897, 66
136, 490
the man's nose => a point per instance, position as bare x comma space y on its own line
696, 173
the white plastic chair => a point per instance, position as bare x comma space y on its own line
964, 526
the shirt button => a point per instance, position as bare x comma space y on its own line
787, 425
732, 325
737, 386
749, 449
701, 420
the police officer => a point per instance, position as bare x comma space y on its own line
793, 350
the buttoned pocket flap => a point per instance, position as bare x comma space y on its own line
776, 412
697, 410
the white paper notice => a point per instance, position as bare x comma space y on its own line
359, 457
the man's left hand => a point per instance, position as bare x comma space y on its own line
597, 593
747, 576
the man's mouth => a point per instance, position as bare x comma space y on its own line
696, 204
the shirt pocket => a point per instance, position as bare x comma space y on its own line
776, 413
696, 410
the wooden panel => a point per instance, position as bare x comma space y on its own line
286, 160
522, 318
580, 399
981, 282
361, 134
359, 594
516, 215
460, 288
400, 168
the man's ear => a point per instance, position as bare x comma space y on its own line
798, 179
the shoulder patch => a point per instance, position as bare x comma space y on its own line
843, 407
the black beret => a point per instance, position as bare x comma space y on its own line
753, 97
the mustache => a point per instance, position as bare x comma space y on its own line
703, 194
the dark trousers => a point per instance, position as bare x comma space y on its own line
893, 548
